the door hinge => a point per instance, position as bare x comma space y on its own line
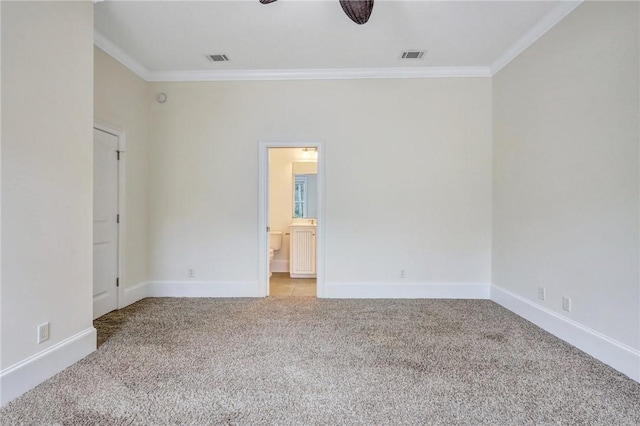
268, 229
118, 282
117, 218
118, 153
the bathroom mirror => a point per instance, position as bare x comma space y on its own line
305, 190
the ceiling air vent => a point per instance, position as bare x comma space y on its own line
413, 54
217, 58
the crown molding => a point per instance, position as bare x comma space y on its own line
285, 74
552, 18
320, 74
556, 15
120, 55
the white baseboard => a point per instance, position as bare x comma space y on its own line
202, 289
133, 294
280, 266
27, 374
623, 358
367, 290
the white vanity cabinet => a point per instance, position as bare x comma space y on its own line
302, 251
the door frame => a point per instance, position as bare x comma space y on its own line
120, 134
263, 210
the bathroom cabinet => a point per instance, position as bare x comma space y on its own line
302, 251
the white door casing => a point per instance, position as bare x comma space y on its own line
105, 226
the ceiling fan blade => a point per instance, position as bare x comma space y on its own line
266, 1
358, 11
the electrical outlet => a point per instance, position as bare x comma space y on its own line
566, 303
403, 274
43, 332
542, 293
191, 273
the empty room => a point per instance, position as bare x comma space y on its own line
320, 212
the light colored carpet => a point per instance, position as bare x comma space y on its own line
294, 361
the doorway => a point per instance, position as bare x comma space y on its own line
106, 220
291, 209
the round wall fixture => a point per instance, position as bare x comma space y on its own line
161, 97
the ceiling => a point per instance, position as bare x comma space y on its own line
169, 40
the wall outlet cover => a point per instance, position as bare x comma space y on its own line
43, 332
542, 293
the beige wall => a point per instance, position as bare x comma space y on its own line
122, 99
408, 172
565, 177
408, 176
47, 173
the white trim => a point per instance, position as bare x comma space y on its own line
263, 209
551, 19
133, 294
27, 374
122, 190
349, 290
280, 266
320, 223
319, 74
623, 358
396, 290
263, 219
120, 55
202, 289
283, 74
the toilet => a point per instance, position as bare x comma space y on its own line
275, 242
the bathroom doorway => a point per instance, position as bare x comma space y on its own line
281, 284
291, 201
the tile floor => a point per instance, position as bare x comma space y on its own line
281, 284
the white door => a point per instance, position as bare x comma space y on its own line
105, 222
